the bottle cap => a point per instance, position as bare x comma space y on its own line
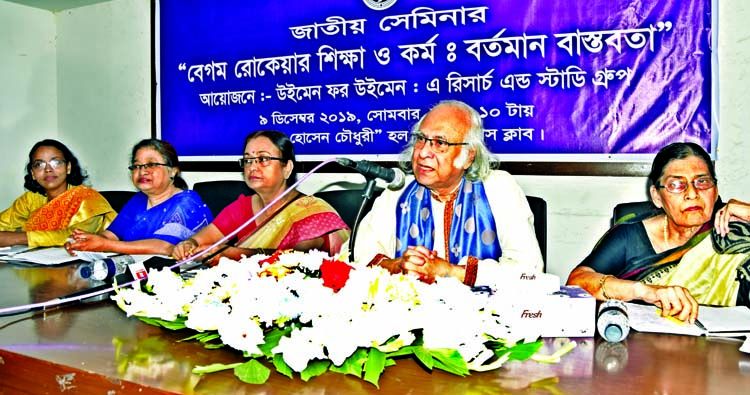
86, 271
613, 333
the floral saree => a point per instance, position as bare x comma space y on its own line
712, 267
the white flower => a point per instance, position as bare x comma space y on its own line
207, 316
242, 333
374, 309
299, 348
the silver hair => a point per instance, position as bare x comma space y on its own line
480, 167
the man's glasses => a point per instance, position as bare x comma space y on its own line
680, 186
438, 145
262, 161
147, 166
53, 163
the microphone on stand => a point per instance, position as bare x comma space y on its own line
394, 177
371, 171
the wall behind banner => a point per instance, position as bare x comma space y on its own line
84, 76
589, 79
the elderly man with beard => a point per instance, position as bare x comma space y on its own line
458, 217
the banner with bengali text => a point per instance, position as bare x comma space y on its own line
352, 77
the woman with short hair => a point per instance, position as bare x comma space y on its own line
693, 250
163, 212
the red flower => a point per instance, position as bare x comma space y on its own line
272, 259
334, 274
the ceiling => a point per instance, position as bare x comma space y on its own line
56, 5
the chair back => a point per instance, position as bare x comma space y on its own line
538, 207
630, 209
219, 194
117, 199
346, 202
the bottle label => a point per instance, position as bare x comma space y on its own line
138, 270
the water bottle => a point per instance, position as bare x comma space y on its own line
107, 268
612, 321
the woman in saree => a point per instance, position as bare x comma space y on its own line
56, 201
162, 213
294, 221
692, 250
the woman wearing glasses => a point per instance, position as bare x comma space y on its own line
56, 201
160, 215
677, 257
293, 221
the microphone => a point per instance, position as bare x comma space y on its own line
394, 177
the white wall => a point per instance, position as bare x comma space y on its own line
28, 90
103, 102
104, 79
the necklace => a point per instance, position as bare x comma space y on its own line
666, 242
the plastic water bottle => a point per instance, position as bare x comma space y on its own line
107, 268
612, 321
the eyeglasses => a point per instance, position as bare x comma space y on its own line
680, 186
262, 161
438, 145
53, 163
147, 166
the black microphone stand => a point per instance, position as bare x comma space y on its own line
366, 197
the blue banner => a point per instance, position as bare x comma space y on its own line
350, 78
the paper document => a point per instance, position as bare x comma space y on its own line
712, 321
13, 250
57, 255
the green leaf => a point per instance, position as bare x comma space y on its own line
213, 346
524, 351
314, 368
449, 360
408, 350
374, 366
194, 337
252, 372
424, 356
175, 325
352, 365
271, 340
282, 367
214, 367
208, 337
202, 337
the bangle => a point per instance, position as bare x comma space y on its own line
377, 259
601, 285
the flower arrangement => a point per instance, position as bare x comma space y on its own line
310, 313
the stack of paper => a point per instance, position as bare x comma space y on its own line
712, 321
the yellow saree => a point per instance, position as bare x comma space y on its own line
306, 218
50, 223
709, 265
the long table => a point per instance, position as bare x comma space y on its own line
94, 348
